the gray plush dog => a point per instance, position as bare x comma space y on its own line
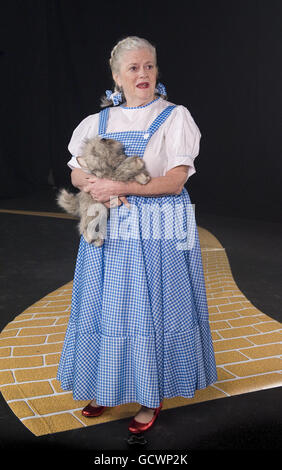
104, 158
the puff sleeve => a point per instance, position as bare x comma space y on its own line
182, 140
86, 129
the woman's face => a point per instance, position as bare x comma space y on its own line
137, 67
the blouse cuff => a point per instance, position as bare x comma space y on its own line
183, 160
73, 163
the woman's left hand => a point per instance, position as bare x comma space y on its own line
102, 189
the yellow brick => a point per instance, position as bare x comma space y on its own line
226, 292
40, 349
40, 331
269, 326
228, 284
209, 393
255, 367
216, 291
8, 333
213, 309
52, 359
58, 292
23, 316
229, 344
237, 332
218, 301
22, 341
51, 315
29, 323
251, 384
39, 302
233, 293
60, 298
223, 375
56, 338
206, 394
5, 352
57, 386
62, 321
223, 316
209, 292
34, 389
229, 356
57, 403
20, 362
213, 277
237, 298
26, 375
21, 409
215, 286
266, 338
264, 317
6, 377
218, 325
249, 311
56, 303
263, 351
230, 297
215, 336
245, 321
47, 309
230, 307
52, 424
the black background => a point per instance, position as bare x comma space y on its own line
220, 59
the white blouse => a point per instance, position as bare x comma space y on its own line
176, 142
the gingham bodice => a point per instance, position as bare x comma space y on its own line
134, 142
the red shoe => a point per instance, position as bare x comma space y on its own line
136, 427
90, 411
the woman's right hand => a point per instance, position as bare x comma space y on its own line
81, 180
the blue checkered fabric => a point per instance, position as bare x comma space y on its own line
138, 328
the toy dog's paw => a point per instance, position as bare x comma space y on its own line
139, 163
98, 242
142, 178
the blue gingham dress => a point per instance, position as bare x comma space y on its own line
138, 328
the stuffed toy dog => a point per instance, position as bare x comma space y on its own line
103, 158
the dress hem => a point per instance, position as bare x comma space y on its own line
134, 400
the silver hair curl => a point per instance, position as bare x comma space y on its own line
127, 44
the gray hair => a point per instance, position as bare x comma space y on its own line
127, 44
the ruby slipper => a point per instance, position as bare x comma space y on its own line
136, 427
91, 411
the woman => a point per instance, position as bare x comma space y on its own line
138, 329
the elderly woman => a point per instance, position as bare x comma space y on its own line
138, 328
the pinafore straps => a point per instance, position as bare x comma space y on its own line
146, 135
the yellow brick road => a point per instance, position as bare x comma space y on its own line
247, 344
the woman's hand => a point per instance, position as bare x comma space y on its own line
80, 179
102, 189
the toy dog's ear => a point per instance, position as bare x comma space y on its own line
81, 161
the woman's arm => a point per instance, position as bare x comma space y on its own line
80, 179
171, 183
102, 189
